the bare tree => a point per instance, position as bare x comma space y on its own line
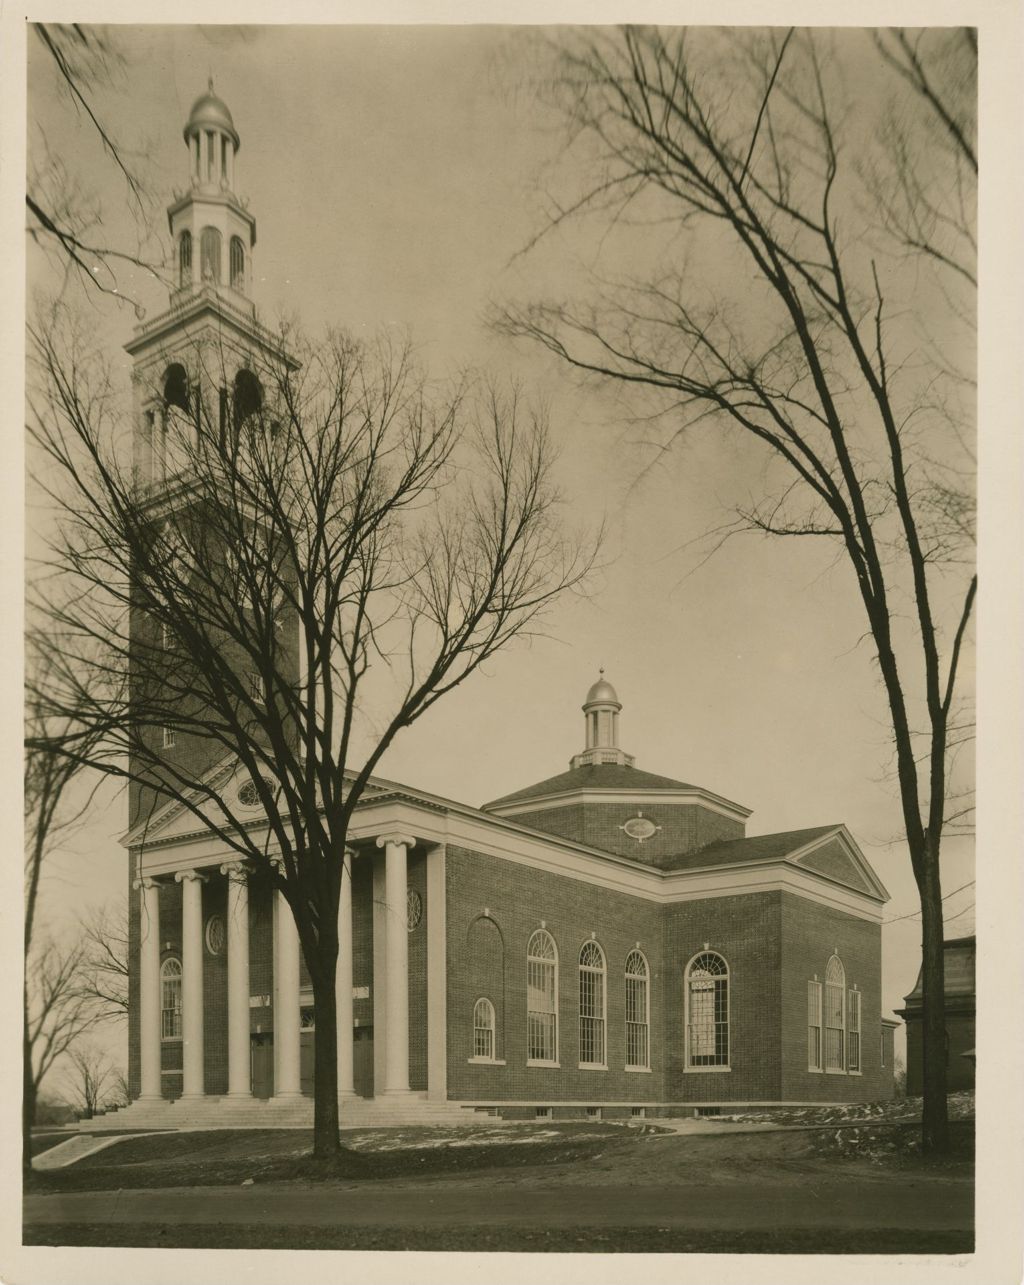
91, 1078
105, 936
781, 298
57, 1014
290, 579
64, 219
51, 1010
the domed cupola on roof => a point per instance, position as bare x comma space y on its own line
601, 712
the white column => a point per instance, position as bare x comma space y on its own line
191, 982
287, 1070
396, 960
149, 989
380, 1008
437, 977
239, 1076
343, 980
231, 165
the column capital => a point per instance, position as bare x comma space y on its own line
236, 871
399, 840
147, 881
190, 876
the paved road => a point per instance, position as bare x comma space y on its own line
913, 1206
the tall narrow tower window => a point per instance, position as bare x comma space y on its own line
185, 259
209, 254
237, 255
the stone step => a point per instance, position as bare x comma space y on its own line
218, 1113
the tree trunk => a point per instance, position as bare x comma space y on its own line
326, 1141
28, 1100
934, 1046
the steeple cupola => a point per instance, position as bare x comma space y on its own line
601, 714
213, 231
212, 142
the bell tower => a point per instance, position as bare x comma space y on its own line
204, 370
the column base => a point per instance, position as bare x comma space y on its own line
400, 1095
193, 1097
239, 1095
148, 1099
291, 1095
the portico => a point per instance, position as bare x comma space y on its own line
225, 922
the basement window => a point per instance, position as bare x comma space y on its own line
542, 1113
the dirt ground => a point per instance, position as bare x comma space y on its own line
584, 1188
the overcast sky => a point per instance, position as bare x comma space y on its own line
393, 175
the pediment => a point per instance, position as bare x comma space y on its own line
837, 857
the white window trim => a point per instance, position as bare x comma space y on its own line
167, 739
714, 1067
555, 962
825, 1028
486, 1061
705, 1070
637, 1066
817, 1070
860, 1034
601, 972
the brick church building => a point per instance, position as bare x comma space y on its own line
606, 941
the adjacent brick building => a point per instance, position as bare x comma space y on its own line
663, 963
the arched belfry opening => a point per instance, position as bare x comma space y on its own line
176, 388
247, 398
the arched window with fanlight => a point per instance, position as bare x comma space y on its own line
592, 1005
835, 1015
707, 1011
185, 259
541, 999
209, 255
236, 263
170, 999
483, 1030
638, 1012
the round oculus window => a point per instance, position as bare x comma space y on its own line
414, 908
215, 935
248, 792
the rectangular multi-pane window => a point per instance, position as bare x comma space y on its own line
853, 1035
835, 1028
256, 688
637, 1053
168, 738
814, 1026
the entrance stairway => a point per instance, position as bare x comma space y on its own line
275, 1113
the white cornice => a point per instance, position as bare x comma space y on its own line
629, 797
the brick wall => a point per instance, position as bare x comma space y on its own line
745, 931
518, 899
810, 934
685, 827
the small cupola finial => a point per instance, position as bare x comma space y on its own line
601, 716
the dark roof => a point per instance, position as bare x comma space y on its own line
958, 967
762, 847
598, 776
